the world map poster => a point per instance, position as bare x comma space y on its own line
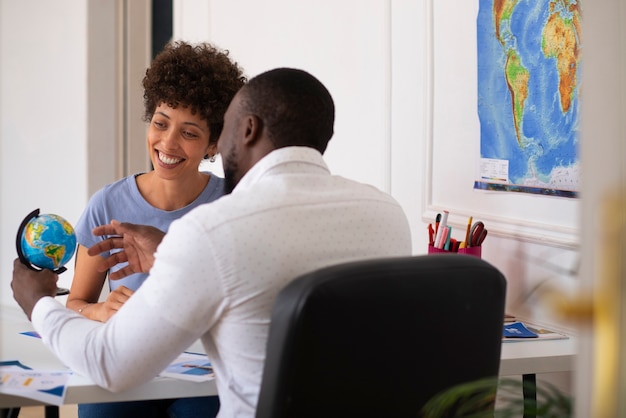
529, 73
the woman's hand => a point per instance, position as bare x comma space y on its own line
104, 310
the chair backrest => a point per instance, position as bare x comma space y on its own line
381, 337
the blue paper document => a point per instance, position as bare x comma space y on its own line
517, 330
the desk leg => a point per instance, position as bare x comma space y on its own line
52, 411
9, 413
530, 394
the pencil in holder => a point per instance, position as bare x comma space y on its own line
473, 251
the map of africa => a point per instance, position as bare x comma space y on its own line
528, 95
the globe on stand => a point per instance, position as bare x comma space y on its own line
46, 241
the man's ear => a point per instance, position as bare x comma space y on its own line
253, 129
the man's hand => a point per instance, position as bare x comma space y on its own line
29, 286
138, 242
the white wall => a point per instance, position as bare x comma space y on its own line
259, 42
43, 121
51, 158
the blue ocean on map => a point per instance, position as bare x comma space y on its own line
548, 135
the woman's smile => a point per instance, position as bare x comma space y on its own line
169, 160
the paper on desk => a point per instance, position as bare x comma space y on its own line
195, 367
44, 386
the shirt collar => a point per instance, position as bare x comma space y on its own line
279, 157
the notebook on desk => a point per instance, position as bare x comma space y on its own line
523, 331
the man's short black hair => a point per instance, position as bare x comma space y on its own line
295, 107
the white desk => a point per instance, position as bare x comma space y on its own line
531, 357
538, 356
526, 358
31, 352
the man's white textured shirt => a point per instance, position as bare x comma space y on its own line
217, 273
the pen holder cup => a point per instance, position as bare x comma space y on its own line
474, 251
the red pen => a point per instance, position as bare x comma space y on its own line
431, 235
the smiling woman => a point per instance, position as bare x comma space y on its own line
187, 89
186, 92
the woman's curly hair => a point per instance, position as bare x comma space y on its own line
200, 77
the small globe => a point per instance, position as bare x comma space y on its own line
47, 241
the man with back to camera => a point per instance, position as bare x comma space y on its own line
218, 270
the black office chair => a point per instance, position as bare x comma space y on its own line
381, 337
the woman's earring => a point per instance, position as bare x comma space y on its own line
212, 158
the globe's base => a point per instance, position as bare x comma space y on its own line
61, 291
